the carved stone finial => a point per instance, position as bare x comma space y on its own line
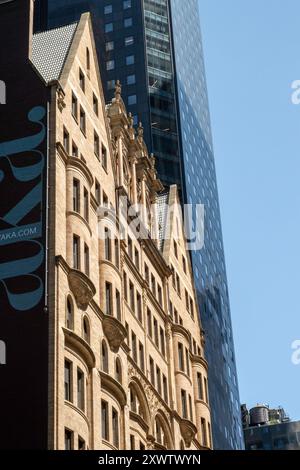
118, 90
140, 130
131, 120
152, 159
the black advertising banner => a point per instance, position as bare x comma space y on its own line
23, 215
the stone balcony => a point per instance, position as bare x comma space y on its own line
114, 331
82, 288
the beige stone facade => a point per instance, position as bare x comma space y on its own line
127, 367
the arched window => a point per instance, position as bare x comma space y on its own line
162, 434
135, 403
86, 330
70, 314
118, 371
104, 357
159, 435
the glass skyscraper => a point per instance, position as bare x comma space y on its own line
154, 48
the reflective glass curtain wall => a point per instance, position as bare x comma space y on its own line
200, 186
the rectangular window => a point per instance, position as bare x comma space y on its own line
129, 248
165, 387
187, 360
105, 200
131, 295
180, 357
82, 121
108, 9
95, 104
130, 60
98, 192
81, 443
127, 22
162, 341
187, 300
141, 356
81, 80
109, 46
175, 315
178, 285
104, 420
109, 27
127, 332
104, 157
80, 389
184, 405
107, 244
203, 432
206, 389
86, 204
158, 380
129, 40
173, 277
192, 308
111, 84
125, 286
118, 304
142, 446
110, 65
108, 298
132, 442
159, 294
170, 309
115, 427
68, 381
86, 260
74, 150
139, 307
76, 195
191, 408
134, 347
184, 264
117, 253
199, 386
209, 434
136, 258
149, 323
153, 285
126, 4
146, 273
74, 107
152, 375
156, 340
96, 145
68, 439
175, 249
66, 141
76, 252
132, 99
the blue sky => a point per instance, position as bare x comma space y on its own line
252, 55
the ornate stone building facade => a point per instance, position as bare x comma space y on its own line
126, 349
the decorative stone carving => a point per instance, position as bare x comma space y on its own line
82, 288
61, 99
114, 331
153, 401
188, 431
